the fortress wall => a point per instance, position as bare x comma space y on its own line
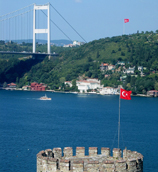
53, 161
108, 165
93, 166
78, 166
121, 165
64, 165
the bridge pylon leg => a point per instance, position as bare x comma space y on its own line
38, 31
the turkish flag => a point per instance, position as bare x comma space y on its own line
124, 94
126, 20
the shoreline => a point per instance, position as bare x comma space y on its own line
88, 93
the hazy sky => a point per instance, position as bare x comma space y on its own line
95, 19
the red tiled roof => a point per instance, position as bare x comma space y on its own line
12, 84
104, 64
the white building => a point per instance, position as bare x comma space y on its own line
77, 43
74, 44
111, 67
121, 63
84, 85
69, 45
68, 83
130, 70
140, 68
109, 90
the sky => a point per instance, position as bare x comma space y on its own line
95, 19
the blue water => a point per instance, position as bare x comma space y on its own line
29, 125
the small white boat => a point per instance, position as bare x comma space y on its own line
45, 98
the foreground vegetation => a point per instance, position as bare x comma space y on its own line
140, 49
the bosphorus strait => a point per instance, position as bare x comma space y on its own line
29, 125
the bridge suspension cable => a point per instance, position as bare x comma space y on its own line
16, 10
68, 23
16, 15
57, 26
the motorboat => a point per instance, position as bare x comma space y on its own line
45, 98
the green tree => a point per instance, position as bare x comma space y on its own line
62, 79
89, 59
5, 85
74, 87
98, 55
156, 86
155, 65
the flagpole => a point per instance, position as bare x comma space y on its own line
123, 27
119, 121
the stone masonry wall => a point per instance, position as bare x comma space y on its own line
53, 161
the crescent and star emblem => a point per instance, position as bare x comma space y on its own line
124, 94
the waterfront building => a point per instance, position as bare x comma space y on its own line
89, 84
152, 93
109, 90
38, 87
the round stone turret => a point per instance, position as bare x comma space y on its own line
53, 161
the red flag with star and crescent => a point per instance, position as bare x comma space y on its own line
124, 94
126, 20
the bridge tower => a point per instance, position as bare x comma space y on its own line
38, 31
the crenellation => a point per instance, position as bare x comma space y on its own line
80, 151
117, 153
105, 151
53, 161
93, 151
57, 152
49, 152
68, 152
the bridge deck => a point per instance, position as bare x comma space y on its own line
28, 53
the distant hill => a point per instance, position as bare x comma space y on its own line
60, 42
139, 49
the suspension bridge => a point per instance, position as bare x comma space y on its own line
32, 22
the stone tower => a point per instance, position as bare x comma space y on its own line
53, 161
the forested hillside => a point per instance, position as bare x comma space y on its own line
140, 49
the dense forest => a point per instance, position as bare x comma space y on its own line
139, 49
